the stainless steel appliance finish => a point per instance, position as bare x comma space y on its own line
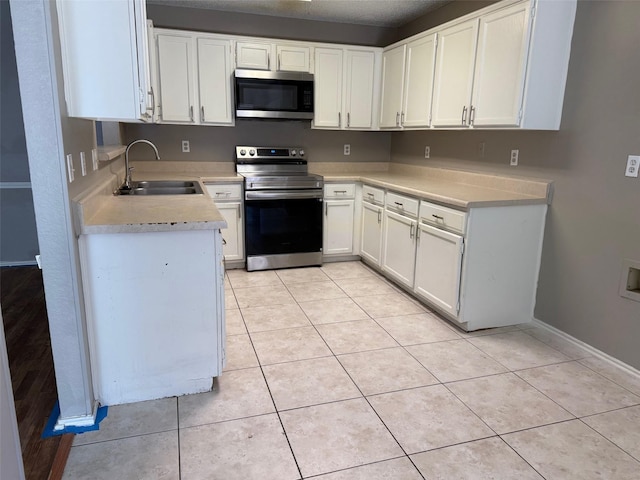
283, 208
273, 95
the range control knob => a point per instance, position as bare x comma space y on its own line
243, 152
301, 153
252, 152
293, 153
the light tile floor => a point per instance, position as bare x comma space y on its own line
335, 374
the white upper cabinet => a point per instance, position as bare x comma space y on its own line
418, 82
407, 84
501, 62
504, 66
175, 78
328, 88
272, 56
392, 82
255, 56
194, 78
105, 59
214, 81
292, 59
359, 84
345, 83
454, 74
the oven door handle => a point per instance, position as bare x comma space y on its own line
282, 195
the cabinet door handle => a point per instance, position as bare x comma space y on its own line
464, 115
279, 63
400, 205
472, 115
202, 113
224, 242
402, 119
379, 216
268, 60
348, 119
418, 233
153, 102
411, 230
191, 112
239, 212
326, 209
397, 119
339, 119
437, 217
370, 194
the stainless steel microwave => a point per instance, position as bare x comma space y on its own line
281, 95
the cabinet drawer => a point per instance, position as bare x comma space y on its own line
339, 190
402, 204
443, 217
373, 195
225, 191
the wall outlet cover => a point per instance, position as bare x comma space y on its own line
347, 149
427, 152
514, 157
186, 147
633, 164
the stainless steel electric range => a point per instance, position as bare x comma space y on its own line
282, 208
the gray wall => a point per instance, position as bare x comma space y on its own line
593, 222
18, 237
218, 143
267, 26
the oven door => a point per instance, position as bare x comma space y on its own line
283, 222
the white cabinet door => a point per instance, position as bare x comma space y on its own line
328, 88
454, 74
399, 255
392, 82
359, 80
256, 56
105, 59
175, 67
292, 58
338, 227
438, 267
418, 82
233, 235
500, 67
214, 81
371, 233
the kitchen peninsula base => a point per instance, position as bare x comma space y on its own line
155, 312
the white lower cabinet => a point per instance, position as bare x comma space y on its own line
439, 267
228, 200
372, 218
399, 243
339, 209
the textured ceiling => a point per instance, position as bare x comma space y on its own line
384, 13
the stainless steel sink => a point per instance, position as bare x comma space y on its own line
161, 187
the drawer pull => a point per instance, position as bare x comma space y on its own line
370, 194
226, 194
400, 205
437, 217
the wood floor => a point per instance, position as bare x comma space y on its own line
31, 364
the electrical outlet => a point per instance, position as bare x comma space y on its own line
427, 152
347, 149
83, 164
70, 169
186, 148
481, 146
94, 158
514, 158
633, 164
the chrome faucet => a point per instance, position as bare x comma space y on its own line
127, 175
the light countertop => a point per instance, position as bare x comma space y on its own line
100, 211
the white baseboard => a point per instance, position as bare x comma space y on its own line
592, 350
25, 263
80, 421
